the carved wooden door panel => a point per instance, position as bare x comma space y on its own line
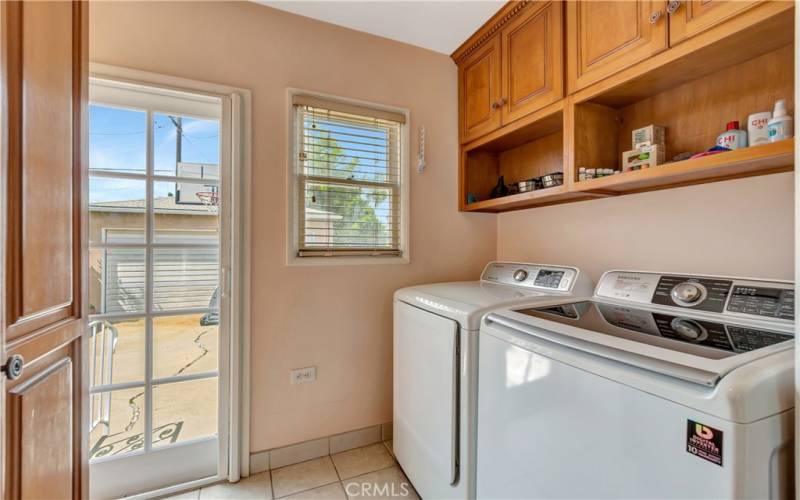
44, 72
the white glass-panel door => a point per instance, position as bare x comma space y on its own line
159, 309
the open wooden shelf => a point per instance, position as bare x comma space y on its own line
693, 89
755, 160
538, 198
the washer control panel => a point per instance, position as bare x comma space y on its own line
729, 296
762, 301
705, 294
531, 276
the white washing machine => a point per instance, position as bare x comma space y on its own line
660, 386
435, 355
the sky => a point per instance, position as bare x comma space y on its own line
117, 142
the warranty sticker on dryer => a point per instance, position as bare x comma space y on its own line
704, 441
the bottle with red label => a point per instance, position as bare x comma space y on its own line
732, 138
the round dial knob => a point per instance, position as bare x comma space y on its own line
520, 275
686, 294
689, 330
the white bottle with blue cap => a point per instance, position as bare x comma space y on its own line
780, 126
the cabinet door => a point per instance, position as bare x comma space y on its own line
533, 56
479, 91
43, 75
606, 37
689, 18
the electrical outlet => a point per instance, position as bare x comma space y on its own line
304, 375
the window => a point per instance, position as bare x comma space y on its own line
347, 178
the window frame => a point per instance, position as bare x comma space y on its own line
293, 219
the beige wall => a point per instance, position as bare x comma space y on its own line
338, 318
742, 228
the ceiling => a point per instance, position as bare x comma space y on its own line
439, 25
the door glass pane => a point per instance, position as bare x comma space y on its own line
117, 139
185, 344
116, 210
184, 278
116, 280
184, 411
186, 212
182, 139
116, 351
117, 422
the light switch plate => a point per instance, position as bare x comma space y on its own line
304, 375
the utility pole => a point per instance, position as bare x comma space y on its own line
178, 122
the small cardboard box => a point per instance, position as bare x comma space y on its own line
646, 136
645, 157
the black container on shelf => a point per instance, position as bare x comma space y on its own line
500, 189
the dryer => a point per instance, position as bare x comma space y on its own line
435, 359
660, 386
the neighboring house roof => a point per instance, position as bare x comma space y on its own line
167, 205
161, 205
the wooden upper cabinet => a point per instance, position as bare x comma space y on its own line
688, 18
511, 67
479, 91
606, 37
532, 55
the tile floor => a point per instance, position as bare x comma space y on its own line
368, 472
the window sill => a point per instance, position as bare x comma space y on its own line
294, 260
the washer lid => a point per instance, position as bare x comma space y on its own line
692, 348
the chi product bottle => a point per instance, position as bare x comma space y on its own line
780, 126
732, 138
757, 128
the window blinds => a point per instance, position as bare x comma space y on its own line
348, 178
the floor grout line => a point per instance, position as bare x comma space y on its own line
271, 488
371, 472
309, 489
338, 474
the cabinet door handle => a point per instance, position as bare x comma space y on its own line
673, 6
13, 367
499, 104
655, 16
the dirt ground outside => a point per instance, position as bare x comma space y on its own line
181, 410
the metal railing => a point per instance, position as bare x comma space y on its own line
103, 338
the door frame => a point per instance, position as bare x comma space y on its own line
238, 442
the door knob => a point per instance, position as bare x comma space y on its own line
655, 16
13, 367
673, 6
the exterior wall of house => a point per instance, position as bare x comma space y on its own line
101, 221
338, 318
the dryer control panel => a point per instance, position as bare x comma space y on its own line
532, 276
729, 296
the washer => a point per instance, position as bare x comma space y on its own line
660, 386
435, 354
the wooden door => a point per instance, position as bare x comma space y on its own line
479, 91
44, 71
688, 18
533, 55
606, 37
